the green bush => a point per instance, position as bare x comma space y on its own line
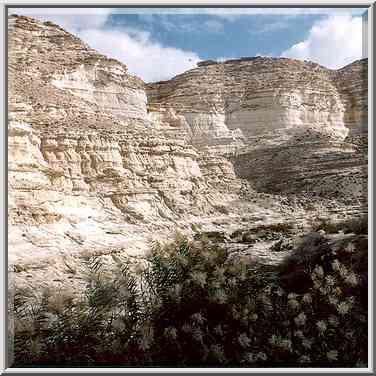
274, 231
194, 306
326, 288
355, 225
358, 225
203, 304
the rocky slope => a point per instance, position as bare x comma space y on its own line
100, 162
89, 170
288, 126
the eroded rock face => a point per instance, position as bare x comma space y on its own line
85, 158
100, 162
260, 99
352, 84
106, 86
288, 126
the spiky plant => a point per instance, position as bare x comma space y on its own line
194, 304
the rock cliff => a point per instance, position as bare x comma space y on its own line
101, 162
288, 126
84, 155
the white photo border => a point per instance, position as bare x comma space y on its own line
5, 367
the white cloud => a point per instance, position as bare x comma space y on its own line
213, 26
224, 58
71, 19
259, 54
189, 24
271, 26
144, 57
333, 42
231, 14
171, 24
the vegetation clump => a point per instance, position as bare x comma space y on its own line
357, 225
194, 306
270, 232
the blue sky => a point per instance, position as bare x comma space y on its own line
157, 44
211, 38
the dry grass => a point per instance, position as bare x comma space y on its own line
193, 306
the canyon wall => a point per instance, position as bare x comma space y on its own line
288, 126
101, 162
86, 161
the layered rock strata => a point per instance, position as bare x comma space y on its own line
85, 158
101, 162
288, 126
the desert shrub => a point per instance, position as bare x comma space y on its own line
49, 23
283, 227
325, 225
312, 248
195, 227
282, 245
357, 225
215, 236
58, 328
205, 304
193, 305
274, 231
222, 209
328, 316
17, 268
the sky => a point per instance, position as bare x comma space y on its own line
157, 44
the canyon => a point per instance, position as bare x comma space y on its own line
100, 162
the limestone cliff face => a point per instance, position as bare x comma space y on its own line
255, 100
287, 125
45, 53
352, 83
99, 161
84, 155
